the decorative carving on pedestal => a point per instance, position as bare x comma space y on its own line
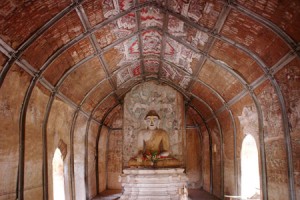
153, 184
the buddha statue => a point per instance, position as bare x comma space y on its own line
153, 145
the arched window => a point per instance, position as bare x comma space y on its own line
58, 176
250, 169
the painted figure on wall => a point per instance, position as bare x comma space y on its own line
153, 145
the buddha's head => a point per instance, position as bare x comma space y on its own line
152, 120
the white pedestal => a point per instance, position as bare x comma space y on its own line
154, 184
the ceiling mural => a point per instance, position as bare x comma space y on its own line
128, 72
130, 51
151, 42
118, 29
178, 76
192, 9
151, 16
126, 23
230, 47
159, 2
220, 55
176, 26
187, 33
151, 65
180, 55
113, 7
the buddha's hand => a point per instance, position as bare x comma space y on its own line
164, 154
139, 158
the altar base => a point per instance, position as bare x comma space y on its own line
153, 184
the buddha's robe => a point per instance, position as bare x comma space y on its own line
153, 141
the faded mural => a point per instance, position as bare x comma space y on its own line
179, 60
249, 121
167, 102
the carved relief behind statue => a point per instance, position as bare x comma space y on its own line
167, 104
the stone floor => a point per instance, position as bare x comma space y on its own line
193, 195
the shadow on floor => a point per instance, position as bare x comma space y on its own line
194, 194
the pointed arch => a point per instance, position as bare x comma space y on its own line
250, 184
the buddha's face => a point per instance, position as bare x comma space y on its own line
152, 122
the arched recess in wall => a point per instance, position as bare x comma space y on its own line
60, 153
250, 178
58, 176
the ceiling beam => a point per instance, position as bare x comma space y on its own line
36, 75
87, 26
211, 41
267, 23
217, 62
259, 81
138, 20
163, 42
18, 53
221, 38
33, 72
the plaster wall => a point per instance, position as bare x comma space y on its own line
58, 129
246, 123
91, 158
228, 142
288, 80
102, 158
112, 139
205, 159
79, 133
216, 157
33, 178
11, 98
114, 159
194, 158
275, 149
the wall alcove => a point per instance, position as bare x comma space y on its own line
58, 176
250, 178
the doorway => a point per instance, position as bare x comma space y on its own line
58, 176
250, 184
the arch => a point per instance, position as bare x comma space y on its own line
250, 184
23, 116
58, 175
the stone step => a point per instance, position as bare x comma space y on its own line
154, 171
151, 190
153, 179
153, 185
150, 197
157, 191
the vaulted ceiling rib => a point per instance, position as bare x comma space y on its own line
84, 18
226, 64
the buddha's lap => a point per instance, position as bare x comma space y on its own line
169, 162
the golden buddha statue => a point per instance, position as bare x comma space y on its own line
153, 145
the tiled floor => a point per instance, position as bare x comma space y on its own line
193, 195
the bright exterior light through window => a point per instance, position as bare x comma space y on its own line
58, 176
250, 169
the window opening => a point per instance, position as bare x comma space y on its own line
58, 176
250, 187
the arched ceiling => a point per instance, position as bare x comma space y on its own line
89, 53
